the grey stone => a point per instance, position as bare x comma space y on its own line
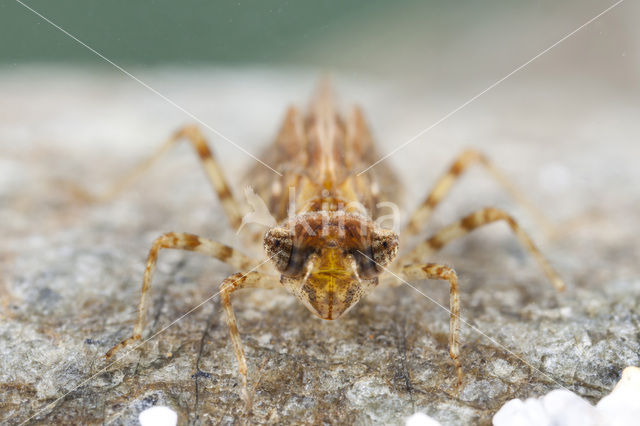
71, 273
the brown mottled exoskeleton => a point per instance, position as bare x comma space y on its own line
327, 247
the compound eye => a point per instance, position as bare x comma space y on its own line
384, 247
381, 252
278, 244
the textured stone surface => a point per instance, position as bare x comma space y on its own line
71, 273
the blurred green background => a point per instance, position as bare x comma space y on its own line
439, 41
160, 32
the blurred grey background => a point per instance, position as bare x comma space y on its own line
238, 65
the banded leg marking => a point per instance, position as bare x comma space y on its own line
434, 271
475, 220
212, 169
469, 157
228, 286
179, 241
214, 172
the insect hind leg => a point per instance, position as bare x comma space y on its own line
211, 167
442, 187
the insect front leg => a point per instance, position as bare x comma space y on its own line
434, 271
469, 157
179, 241
211, 167
228, 286
473, 221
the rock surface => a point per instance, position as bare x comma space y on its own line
71, 273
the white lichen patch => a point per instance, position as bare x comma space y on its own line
622, 405
158, 416
564, 408
421, 419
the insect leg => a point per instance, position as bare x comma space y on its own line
209, 162
475, 220
228, 286
444, 184
178, 241
434, 271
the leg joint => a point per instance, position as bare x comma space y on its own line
485, 216
233, 282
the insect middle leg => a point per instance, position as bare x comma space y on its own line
468, 157
178, 241
209, 162
473, 221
